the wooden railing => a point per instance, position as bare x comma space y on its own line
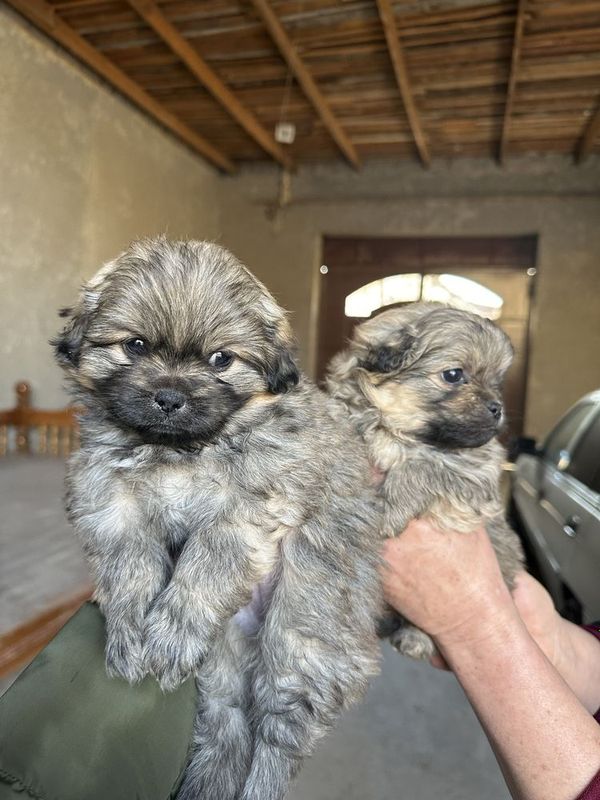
20, 645
25, 429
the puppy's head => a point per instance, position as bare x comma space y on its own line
433, 372
172, 338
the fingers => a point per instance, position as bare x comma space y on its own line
438, 662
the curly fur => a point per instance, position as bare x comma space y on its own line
434, 443
185, 513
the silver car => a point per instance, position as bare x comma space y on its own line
555, 506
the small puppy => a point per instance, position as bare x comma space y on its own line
422, 384
210, 473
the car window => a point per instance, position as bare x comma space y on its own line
585, 463
559, 439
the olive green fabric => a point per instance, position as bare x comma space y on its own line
68, 732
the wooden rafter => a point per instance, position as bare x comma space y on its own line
392, 37
44, 17
305, 79
153, 15
591, 133
512, 78
460, 53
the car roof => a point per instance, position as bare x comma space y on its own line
594, 397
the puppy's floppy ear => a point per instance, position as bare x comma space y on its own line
67, 345
282, 371
386, 358
283, 374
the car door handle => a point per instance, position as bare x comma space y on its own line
570, 526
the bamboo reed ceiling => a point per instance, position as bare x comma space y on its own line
358, 78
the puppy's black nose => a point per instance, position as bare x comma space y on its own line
169, 400
495, 408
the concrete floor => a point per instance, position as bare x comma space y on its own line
413, 738
41, 562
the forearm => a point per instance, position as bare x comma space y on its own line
546, 742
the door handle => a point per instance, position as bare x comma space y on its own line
570, 526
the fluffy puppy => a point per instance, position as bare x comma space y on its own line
202, 481
422, 385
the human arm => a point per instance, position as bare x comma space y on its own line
573, 652
546, 742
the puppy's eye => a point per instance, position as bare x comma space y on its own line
221, 359
453, 375
135, 347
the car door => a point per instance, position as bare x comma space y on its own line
580, 506
549, 508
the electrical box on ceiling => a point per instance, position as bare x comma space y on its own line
285, 132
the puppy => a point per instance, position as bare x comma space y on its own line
422, 385
210, 473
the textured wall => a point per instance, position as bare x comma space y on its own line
82, 173
550, 197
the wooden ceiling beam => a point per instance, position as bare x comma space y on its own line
512, 78
302, 74
43, 16
590, 134
392, 37
153, 16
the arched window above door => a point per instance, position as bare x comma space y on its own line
454, 290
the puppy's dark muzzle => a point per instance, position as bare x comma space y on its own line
495, 409
169, 400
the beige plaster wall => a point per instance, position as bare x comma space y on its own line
82, 173
550, 197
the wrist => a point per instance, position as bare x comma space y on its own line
491, 623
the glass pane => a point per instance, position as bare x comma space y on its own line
556, 446
451, 289
585, 464
463, 293
383, 292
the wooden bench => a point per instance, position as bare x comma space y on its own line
25, 429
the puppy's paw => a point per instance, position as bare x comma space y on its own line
173, 650
413, 642
124, 655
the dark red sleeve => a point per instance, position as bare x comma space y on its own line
592, 792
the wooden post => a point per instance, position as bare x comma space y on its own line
23, 392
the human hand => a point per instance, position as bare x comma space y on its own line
448, 584
542, 620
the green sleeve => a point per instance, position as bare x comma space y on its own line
68, 732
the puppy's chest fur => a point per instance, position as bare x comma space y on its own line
458, 489
166, 495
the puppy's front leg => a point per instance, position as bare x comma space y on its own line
212, 580
129, 573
